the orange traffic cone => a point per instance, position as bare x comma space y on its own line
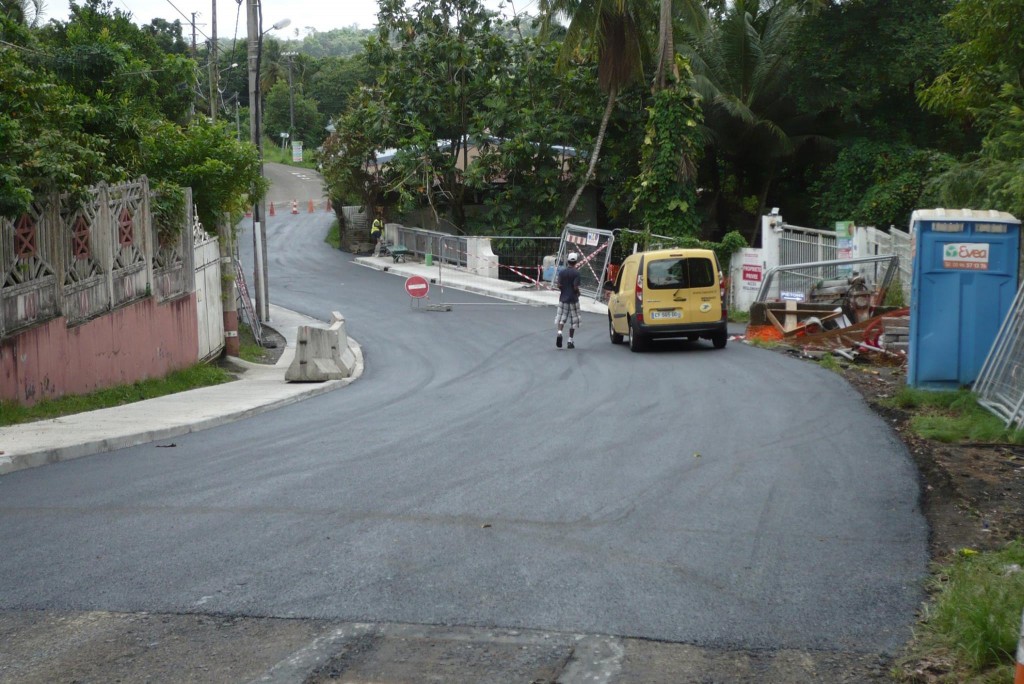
272, 209
295, 207
310, 206
248, 213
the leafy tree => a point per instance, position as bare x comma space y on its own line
539, 116
618, 30
45, 148
435, 74
983, 87
664, 189
336, 80
168, 36
309, 127
743, 65
222, 172
349, 165
876, 183
867, 58
96, 99
341, 42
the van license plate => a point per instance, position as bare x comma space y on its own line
666, 314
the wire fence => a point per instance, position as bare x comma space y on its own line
521, 259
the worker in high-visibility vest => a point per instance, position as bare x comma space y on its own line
377, 235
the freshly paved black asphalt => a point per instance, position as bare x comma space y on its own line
476, 475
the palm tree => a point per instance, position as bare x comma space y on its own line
618, 29
742, 65
25, 12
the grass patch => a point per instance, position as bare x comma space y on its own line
974, 622
739, 316
952, 417
200, 375
829, 362
248, 348
333, 237
272, 152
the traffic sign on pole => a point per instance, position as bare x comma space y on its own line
417, 286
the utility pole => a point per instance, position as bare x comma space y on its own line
194, 35
291, 95
259, 238
214, 71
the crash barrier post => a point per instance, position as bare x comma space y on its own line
272, 209
322, 354
295, 207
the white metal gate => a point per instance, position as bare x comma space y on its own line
209, 304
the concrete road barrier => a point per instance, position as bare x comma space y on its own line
322, 354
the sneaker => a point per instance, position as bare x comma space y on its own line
570, 345
558, 341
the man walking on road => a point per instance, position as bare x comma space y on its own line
568, 300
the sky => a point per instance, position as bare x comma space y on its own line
323, 15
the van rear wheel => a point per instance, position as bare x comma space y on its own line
637, 340
615, 337
719, 339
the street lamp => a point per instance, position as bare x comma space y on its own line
259, 235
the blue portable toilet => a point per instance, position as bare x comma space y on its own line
964, 280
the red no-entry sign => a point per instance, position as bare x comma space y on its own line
417, 286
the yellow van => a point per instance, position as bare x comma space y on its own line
667, 293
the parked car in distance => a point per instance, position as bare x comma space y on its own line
667, 293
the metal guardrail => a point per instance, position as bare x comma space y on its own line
443, 247
802, 278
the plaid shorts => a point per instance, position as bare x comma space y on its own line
568, 312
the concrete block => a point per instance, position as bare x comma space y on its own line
318, 355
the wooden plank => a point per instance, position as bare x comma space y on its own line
790, 315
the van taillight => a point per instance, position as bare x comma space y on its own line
721, 294
639, 291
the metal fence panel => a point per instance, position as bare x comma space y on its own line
798, 281
595, 249
521, 259
1000, 383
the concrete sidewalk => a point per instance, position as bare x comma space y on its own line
259, 388
457, 279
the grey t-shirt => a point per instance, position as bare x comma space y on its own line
568, 283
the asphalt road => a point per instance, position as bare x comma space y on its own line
478, 476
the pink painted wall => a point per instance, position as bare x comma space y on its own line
139, 341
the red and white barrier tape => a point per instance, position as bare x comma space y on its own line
535, 281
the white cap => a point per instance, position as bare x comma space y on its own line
573, 256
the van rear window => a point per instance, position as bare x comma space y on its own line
665, 274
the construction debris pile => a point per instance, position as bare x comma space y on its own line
842, 317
